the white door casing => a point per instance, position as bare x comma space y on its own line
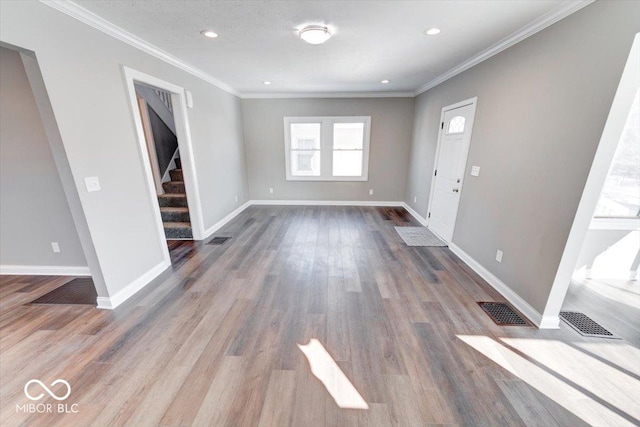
185, 145
454, 139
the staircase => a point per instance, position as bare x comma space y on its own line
173, 206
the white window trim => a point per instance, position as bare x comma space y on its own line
326, 147
617, 223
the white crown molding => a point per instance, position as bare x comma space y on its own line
44, 270
83, 15
530, 29
276, 95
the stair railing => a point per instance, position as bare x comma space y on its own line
165, 97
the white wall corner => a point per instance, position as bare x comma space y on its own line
104, 303
132, 288
415, 214
504, 290
218, 225
611, 134
550, 322
44, 270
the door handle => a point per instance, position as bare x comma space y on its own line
455, 190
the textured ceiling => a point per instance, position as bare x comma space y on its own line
373, 40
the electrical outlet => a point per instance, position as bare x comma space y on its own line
371, 192
499, 256
270, 190
415, 199
55, 246
92, 183
475, 170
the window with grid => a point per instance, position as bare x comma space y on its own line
327, 148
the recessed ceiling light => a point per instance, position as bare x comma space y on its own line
267, 82
432, 31
315, 34
385, 81
209, 33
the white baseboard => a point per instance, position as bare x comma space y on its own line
326, 203
44, 270
415, 214
218, 225
128, 291
504, 290
549, 322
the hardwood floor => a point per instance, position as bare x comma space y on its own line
614, 304
307, 316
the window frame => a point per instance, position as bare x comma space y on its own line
326, 146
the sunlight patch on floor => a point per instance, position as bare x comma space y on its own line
596, 392
329, 373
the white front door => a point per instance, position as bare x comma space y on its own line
453, 147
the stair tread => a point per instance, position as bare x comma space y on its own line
173, 209
177, 225
181, 195
174, 182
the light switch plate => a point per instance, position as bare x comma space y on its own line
475, 170
92, 183
189, 97
499, 256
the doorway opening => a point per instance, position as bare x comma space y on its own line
158, 123
45, 237
160, 113
454, 140
598, 272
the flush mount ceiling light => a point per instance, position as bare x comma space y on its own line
385, 81
432, 31
267, 82
315, 34
209, 33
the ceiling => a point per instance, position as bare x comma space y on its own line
372, 40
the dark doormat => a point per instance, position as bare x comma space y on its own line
502, 314
77, 291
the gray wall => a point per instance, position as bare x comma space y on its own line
391, 123
82, 71
33, 206
542, 105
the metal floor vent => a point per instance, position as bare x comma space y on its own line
584, 325
218, 241
502, 314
